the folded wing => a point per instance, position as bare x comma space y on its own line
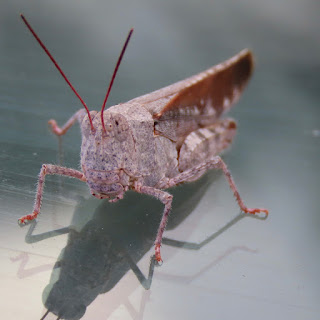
198, 101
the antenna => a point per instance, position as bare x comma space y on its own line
114, 75
57, 66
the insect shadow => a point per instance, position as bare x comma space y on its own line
111, 244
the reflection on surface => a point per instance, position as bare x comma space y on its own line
110, 244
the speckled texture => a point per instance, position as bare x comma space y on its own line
160, 140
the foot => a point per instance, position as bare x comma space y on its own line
26, 219
256, 210
55, 128
157, 253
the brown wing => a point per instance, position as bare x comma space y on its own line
199, 100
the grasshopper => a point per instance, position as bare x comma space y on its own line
156, 141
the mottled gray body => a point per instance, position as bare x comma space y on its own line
158, 140
129, 153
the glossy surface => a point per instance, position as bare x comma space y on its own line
266, 269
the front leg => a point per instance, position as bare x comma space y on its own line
48, 169
166, 199
78, 116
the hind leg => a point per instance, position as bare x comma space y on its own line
199, 153
214, 163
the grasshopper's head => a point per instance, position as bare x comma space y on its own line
106, 154
105, 142
107, 146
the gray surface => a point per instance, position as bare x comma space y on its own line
254, 269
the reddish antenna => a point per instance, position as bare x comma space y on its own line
114, 75
57, 66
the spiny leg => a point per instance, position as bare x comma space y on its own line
214, 163
48, 169
61, 131
166, 199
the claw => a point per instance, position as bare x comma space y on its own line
21, 222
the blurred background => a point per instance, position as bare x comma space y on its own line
84, 269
